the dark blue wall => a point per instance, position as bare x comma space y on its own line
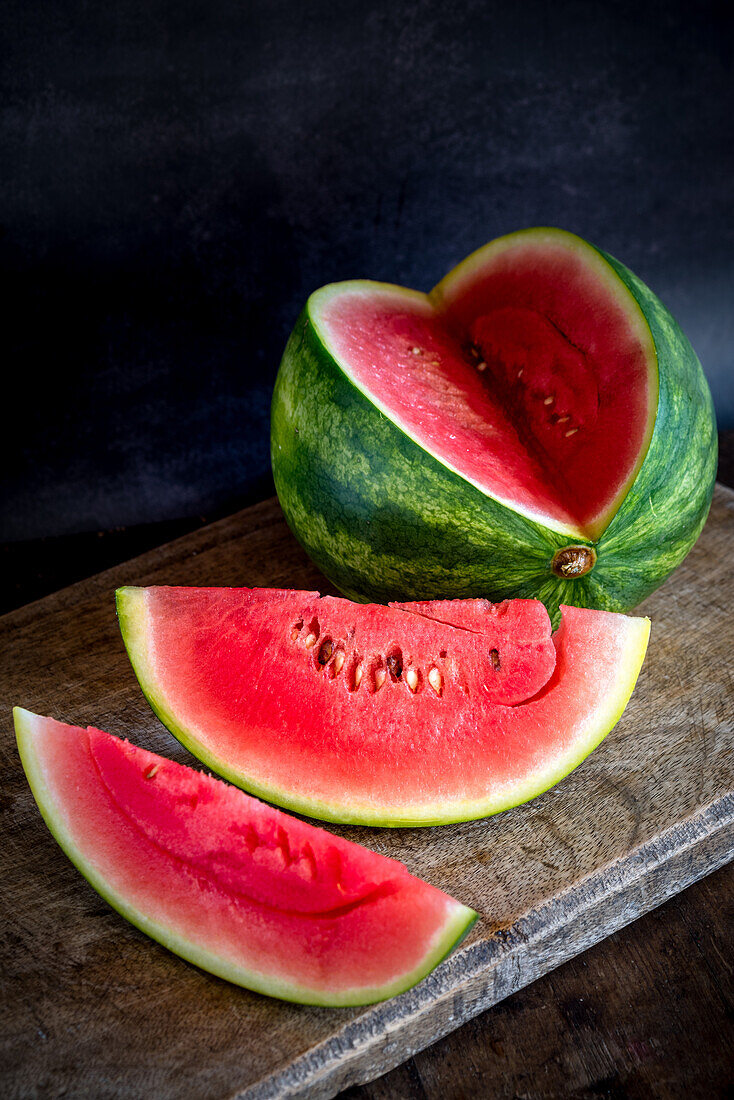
176, 184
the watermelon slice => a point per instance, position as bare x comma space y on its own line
537, 425
236, 887
416, 714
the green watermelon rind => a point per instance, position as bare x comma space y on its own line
132, 616
453, 932
340, 499
662, 516
384, 519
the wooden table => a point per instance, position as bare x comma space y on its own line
647, 1012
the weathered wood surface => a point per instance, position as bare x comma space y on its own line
89, 1006
646, 1014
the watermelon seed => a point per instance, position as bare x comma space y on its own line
353, 676
549, 400
153, 770
571, 431
297, 628
520, 372
395, 664
338, 661
416, 351
380, 677
435, 679
327, 648
494, 659
564, 419
313, 633
481, 365
411, 679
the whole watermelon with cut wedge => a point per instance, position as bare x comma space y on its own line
538, 425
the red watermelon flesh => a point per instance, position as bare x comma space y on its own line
233, 885
385, 715
519, 623
523, 371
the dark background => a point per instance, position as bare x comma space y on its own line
175, 184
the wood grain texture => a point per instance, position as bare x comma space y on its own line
647, 1014
91, 1007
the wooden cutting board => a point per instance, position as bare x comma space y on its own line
90, 1007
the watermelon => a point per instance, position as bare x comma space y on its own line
415, 714
537, 426
234, 886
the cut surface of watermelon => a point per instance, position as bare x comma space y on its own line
414, 714
236, 887
537, 425
530, 372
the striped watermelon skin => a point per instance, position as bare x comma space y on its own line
666, 508
385, 520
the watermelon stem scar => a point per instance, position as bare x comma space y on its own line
573, 561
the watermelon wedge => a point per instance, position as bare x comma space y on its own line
415, 714
537, 425
236, 887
